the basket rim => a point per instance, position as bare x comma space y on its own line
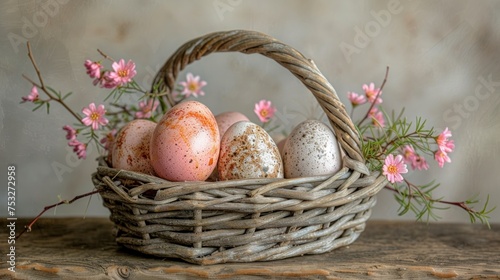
346, 182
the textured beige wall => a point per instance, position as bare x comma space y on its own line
438, 53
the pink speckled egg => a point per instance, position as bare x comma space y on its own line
131, 147
226, 119
248, 152
311, 149
185, 143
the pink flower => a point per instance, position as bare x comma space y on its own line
444, 143
79, 148
107, 80
393, 168
409, 153
448, 147
444, 135
33, 96
442, 138
419, 163
123, 72
93, 68
441, 157
193, 86
95, 116
70, 132
74, 142
264, 110
416, 161
377, 117
108, 140
356, 99
371, 93
147, 108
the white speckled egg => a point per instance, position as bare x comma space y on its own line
185, 143
311, 149
131, 147
226, 119
247, 151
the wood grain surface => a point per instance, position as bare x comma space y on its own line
76, 248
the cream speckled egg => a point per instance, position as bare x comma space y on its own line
131, 147
247, 151
311, 149
185, 143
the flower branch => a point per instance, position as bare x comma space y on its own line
390, 143
98, 122
59, 99
415, 193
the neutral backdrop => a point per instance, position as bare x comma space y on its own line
443, 57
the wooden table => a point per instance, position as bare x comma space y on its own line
76, 248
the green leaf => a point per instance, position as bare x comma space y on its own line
38, 106
112, 93
54, 91
67, 95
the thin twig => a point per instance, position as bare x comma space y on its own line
105, 55
30, 55
46, 208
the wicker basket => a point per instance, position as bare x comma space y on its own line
245, 220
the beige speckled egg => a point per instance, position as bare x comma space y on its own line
247, 151
185, 143
131, 147
226, 119
311, 149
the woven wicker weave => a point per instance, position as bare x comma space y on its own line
245, 220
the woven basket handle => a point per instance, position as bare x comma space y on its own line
250, 42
